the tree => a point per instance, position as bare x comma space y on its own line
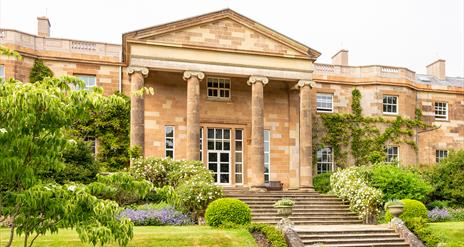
34, 121
39, 71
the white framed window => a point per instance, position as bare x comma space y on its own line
324, 160
238, 156
324, 102
390, 104
218, 88
90, 80
267, 155
440, 154
169, 141
441, 111
2, 71
392, 154
201, 144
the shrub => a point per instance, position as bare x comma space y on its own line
349, 185
147, 206
447, 178
321, 182
39, 71
227, 210
438, 204
396, 182
194, 196
156, 217
120, 187
438, 215
457, 214
273, 235
285, 202
411, 209
418, 225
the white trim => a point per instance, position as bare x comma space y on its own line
327, 110
390, 104
446, 111
397, 153
269, 152
218, 89
173, 141
218, 152
241, 154
438, 158
330, 163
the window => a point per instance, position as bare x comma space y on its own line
2, 71
239, 156
201, 144
441, 154
441, 111
324, 102
390, 104
324, 160
267, 155
218, 88
90, 81
392, 154
169, 141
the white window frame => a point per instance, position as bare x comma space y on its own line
328, 163
218, 89
440, 154
390, 104
441, 106
2, 71
221, 140
85, 78
268, 152
239, 153
201, 144
166, 138
322, 99
388, 154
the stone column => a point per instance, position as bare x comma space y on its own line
193, 79
256, 168
306, 166
137, 117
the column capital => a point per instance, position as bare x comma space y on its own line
188, 74
302, 83
143, 70
254, 78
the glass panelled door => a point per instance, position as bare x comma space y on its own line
219, 154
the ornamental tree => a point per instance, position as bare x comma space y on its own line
39, 71
34, 122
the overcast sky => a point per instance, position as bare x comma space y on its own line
402, 33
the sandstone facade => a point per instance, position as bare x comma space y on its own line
224, 79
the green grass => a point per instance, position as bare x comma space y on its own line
451, 232
203, 236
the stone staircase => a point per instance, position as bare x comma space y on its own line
319, 219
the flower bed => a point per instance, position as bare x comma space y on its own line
155, 217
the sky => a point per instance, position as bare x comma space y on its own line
411, 34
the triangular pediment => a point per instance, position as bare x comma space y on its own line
223, 30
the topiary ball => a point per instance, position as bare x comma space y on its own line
227, 210
411, 209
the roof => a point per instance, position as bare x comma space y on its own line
432, 80
162, 29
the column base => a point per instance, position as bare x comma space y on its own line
306, 189
258, 188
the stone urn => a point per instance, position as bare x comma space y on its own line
395, 210
284, 211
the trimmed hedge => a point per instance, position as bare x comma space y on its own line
273, 235
228, 210
321, 182
412, 209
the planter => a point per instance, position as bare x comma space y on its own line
395, 210
284, 211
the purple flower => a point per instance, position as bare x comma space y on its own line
438, 214
165, 216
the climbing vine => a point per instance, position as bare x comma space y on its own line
366, 136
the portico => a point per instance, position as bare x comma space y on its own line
229, 92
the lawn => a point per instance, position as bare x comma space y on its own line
451, 232
152, 236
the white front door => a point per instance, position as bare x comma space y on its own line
219, 154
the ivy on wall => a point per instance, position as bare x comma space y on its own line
364, 137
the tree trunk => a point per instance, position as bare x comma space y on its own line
10, 240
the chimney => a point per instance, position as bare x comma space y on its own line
340, 58
437, 69
43, 26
